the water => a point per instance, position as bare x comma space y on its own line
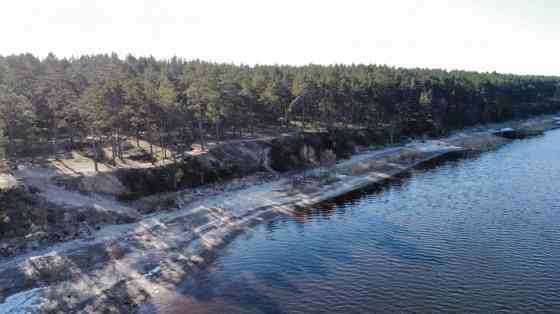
477, 235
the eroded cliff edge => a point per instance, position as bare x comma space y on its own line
179, 227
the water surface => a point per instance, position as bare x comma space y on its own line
477, 235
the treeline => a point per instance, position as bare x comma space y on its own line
175, 102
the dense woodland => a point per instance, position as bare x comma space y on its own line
175, 102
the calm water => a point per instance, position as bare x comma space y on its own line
477, 235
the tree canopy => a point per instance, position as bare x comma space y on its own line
175, 101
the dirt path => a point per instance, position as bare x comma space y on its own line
119, 267
42, 179
138, 260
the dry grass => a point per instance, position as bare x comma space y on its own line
388, 163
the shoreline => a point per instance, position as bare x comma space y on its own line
123, 266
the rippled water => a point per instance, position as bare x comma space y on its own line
477, 235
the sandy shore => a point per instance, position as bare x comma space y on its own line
119, 267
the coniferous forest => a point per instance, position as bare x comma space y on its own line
174, 103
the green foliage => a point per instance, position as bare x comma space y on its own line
104, 96
425, 99
16, 115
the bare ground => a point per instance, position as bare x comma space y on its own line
151, 256
119, 267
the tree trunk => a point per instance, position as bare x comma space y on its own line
201, 132
303, 116
217, 131
119, 145
113, 148
285, 115
54, 143
150, 140
138, 138
95, 155
162, 144
185, 136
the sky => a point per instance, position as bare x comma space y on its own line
507, 36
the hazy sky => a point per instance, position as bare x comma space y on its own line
515, 36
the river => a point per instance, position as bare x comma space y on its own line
478, 235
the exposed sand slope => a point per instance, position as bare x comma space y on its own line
42, 179
149, 257
121, 266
